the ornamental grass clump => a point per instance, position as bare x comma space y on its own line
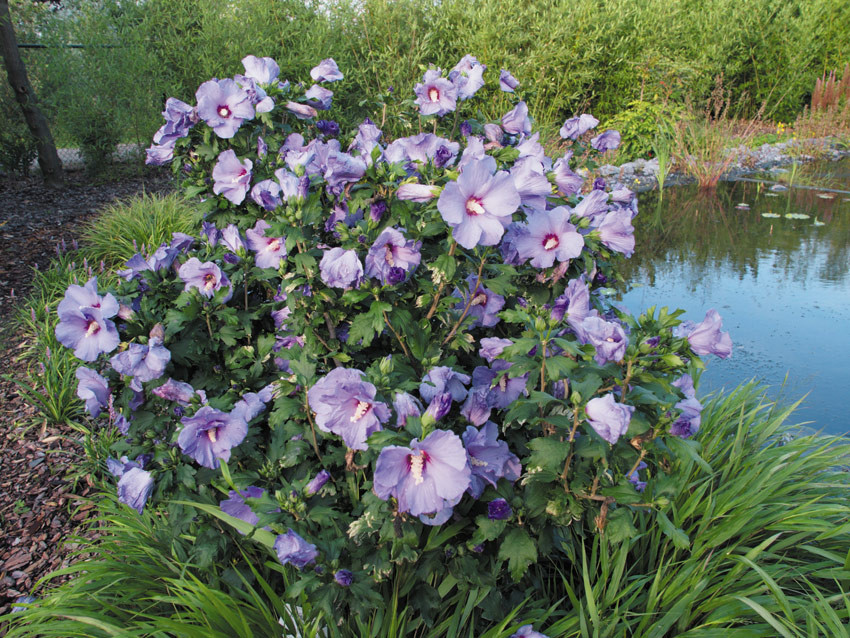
391, 365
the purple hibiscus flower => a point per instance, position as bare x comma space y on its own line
177, 391
516, 121
427, 477
706, 337
484, 304
261, 70
236, 506
134, 488
508, 246
179, 119
266, 194
206, 277
142, 362
232, 178
574, 303
607, 141
93, 389
341, 268
294, 550
568, 182
479, 205
477, 407
341, 169
492, 347
609, 418
507, 82
688, 422
419, 193
607, 337
550, 236
527, 631
343, 577
224, 105
210, 434
423, 148
301, 111
85, 328
575, 127
531, 183
392, 250
634, 477
317, 482
499, 510
443, 379
616, 231
326, 71
159, 155
467, 76
439, 407
328, 128
345, 404
406, 405
506, 390
270, 250
489, 458
435, 95
319, 97
594, 206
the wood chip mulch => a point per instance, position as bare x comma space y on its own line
44, 502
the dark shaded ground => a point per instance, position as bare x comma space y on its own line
40, 508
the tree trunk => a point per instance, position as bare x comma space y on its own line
48, 158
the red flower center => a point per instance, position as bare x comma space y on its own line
550, 241
224, 111
92, 328
474, 207
434, 94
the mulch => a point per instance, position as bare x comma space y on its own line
44, 503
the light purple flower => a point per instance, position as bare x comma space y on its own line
341, 268
270, 250
550, 236
328, 128
326, 71
706, 337
261, 70
508, 246
345, 404
427, 477
607, 337
616, 231
342, 169
435, 95
607, 141
252, 403
479, 205
210, 434
574, 303
493, 133
419, 193
317, 482
492, 347
489, 458
531, 183
236, 506
206, 277
84, 323
319, 97
179, 119
688, 422
443, 379
294, 550
177, 391
232, 178
439, 407
634, 477
423, 147
575, 127
142, 362
232, 239
527, 631
484, 306
266, 194
301, 111
135, 487
93, 389
86, 296
477, 407
392, 250
568, 182
367, 138
609, 418
159, 155
516, 121
499, 510
506, 391
507, 82
223, 105
594, 206
467, 76
406, 405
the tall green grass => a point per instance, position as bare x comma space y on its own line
757, 545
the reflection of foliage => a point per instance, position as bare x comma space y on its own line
706, 229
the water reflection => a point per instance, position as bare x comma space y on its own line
781, 284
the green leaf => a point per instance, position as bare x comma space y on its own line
264, 537
620, 526
519, 550
679, 538
446, 264
488, 530
548, 453
585, 387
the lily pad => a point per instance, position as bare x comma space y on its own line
742, 206
771, 215
778, 188
818, 222
772, 194
826, 196
797, 216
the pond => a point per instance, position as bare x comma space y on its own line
778, 272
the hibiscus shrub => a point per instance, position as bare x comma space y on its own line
394, 366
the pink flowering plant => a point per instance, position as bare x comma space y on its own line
390, 365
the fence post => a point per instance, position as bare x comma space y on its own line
48, 158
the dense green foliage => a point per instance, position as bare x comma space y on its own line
764, 553
571, 56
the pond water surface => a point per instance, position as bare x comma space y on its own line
781, 284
